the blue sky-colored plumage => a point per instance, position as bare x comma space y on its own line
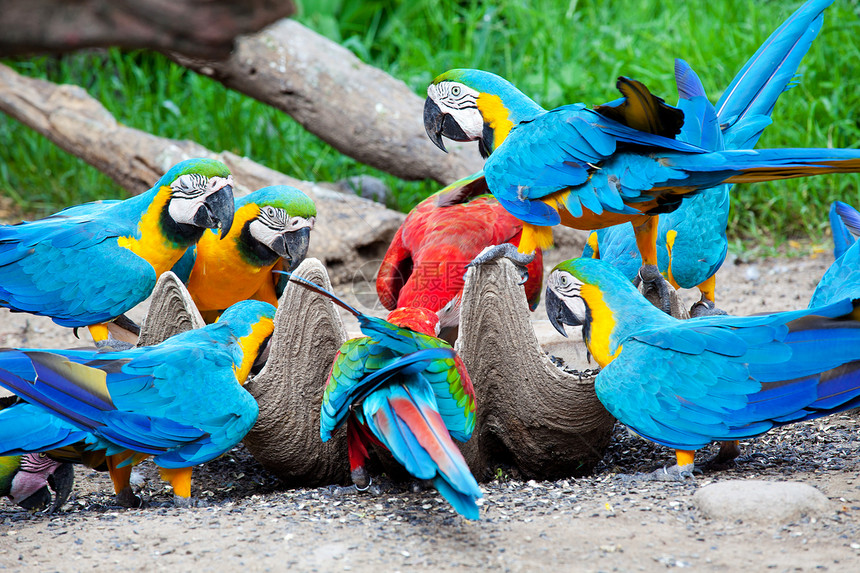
47, 266
686, 383
743, 111
179, 400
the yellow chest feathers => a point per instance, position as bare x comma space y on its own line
496, 115
152, 245
251, 347
221, 276
601, 328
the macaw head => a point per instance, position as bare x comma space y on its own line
201, 195
252, 323
276, 223
421, 320
582, 291
473, 105
31, 476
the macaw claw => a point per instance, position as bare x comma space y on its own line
507, 251
674, 473
127, 498
706, 307
654, 287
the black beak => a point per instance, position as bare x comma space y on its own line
293, 246
62, 481
558, 313
218, 211
438, 124
38, 500
433, 119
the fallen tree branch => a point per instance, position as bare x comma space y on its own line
359, 110
200, 28
349, 232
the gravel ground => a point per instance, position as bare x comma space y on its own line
599, 523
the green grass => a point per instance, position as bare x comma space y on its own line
557, 52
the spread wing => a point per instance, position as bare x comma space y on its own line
734, 378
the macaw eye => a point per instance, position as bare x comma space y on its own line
43, 455
270, 211
455, 91
563, 280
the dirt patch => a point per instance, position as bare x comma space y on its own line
599, 523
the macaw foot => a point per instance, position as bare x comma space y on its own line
725, 458
61, 481
422, 485
706, 307
127, 324
112, 344
181, 501
361, 478
127, 498
507, 251
675, 473
655, 288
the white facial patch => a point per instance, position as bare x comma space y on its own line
264, 233
190, 191
567, 287
460, 102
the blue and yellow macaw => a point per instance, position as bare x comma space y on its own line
180, 401
685, 383
88, 264
842, 279
402, 388
594, 168
271, 230
25, 479
692, 243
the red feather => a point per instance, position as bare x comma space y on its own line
425, 264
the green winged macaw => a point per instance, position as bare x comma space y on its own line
692, 243
403, 388
842, 279
426, 260
594, 168
25, 479
271, 230
685, 383
88, 264
180, 402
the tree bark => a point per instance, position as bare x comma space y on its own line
200, 28
359, 110
532, 415
171, 311
289, 389
349, 232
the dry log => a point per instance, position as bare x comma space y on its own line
171, 311
358, 109
200, 28
349, 231
286, 437
532, 415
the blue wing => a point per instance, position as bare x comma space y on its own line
728, 378
69, 267
845, 225
178, 401
745, 107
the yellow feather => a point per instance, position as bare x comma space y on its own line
152, 244
602, 326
